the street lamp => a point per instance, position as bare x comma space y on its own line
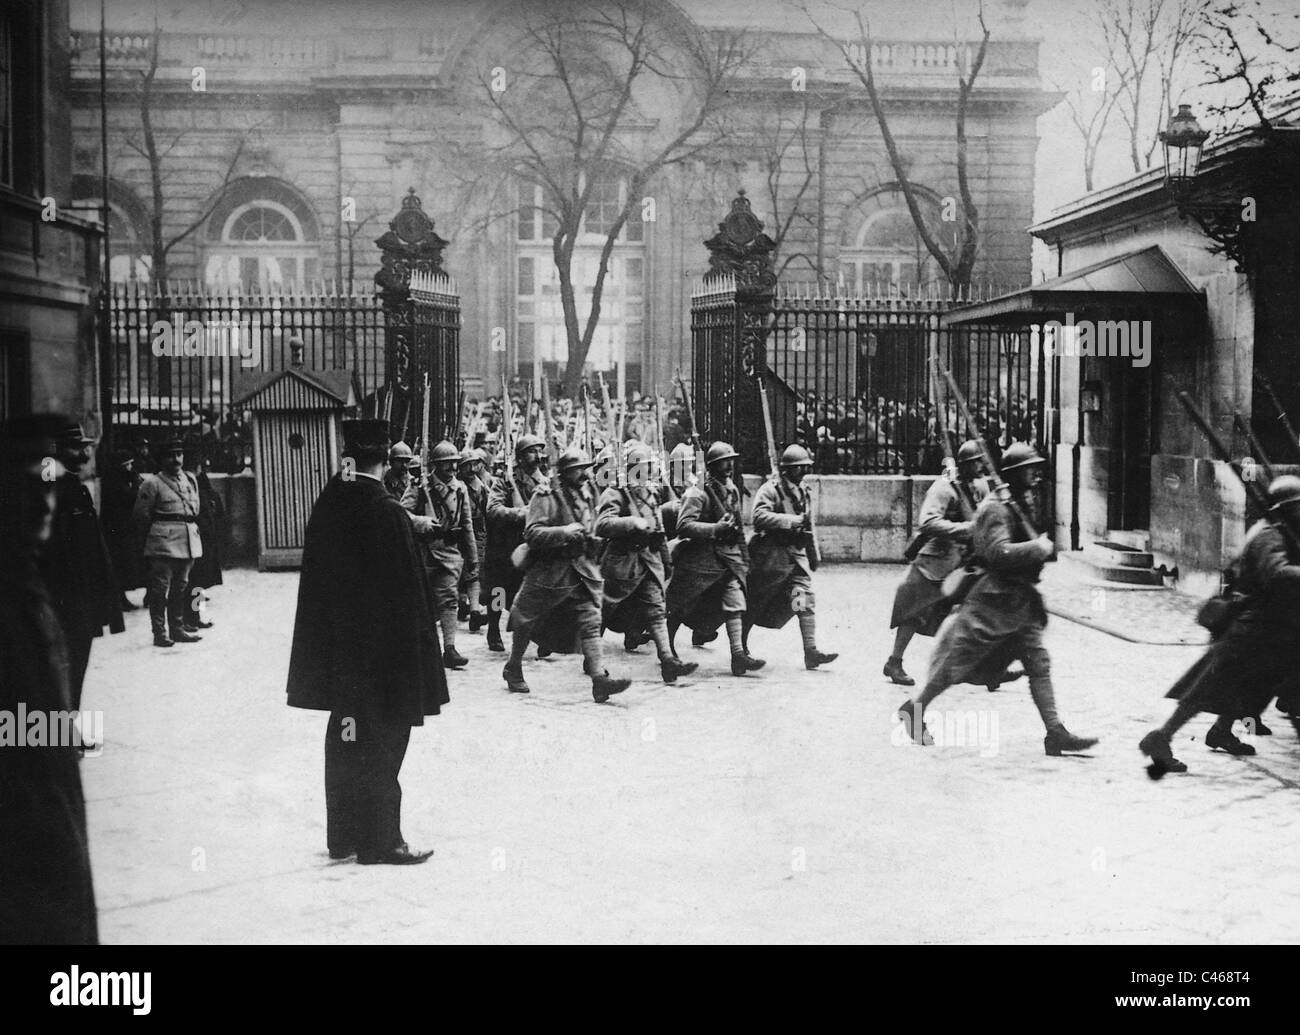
1182, 140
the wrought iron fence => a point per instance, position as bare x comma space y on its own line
853, 379
178, 353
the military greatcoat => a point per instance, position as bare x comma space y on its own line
710, 565
780, 571
633, 561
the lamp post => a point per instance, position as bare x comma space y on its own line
1219, 217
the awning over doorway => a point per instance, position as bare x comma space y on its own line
1147, 277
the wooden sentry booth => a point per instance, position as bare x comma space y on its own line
296, 434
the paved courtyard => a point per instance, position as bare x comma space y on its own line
780, 807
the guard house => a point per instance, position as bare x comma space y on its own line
296, 434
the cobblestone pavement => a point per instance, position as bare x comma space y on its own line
778, 807
1139, 615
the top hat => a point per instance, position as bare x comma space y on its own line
365, 437
70, 433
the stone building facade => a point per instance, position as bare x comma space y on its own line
313, 122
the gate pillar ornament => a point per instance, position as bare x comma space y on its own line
741, 249
410, 245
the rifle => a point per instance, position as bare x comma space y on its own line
584, 398
809, 540
507, 430
548, 424
460, 417
663, 453
1277, 405
615, 436
922, 537
694, 431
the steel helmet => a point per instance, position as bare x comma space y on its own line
796, 456
572, 457
400, 451
637, 453
970, 450
1283, 490
444, 450
719, 451
473, 456
1020, 454
527, 442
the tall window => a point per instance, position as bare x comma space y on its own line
20, 98
6, 99
881, 252
540, 331
261, 237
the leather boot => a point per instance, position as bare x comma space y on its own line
742, 663
894, 670
1060, 739
452, 658
1155, 745
181, 636
476, 621
1226, 740
813, 658
494, 641
604, 686
162, 640
670, 668
514, 677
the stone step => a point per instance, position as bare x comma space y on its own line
1119, 576
1133, 538
1119, 556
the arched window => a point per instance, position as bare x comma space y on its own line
128, 226
540, 332
261, 237
881, 251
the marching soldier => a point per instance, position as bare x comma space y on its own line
560, 597
783, 555
1257, 654
681, 465
1002, 617
168, 508
473, 474
947, 517
634, 561
711, 565
508, 499
441, 512
397, 479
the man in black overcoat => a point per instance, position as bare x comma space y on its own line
365, 648
46, 894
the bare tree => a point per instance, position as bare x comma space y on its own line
1248, 53
788, 159
958, 264
1090, 112
156, 155
592, 92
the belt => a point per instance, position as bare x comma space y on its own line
186, 519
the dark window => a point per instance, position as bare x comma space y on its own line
20, 101
15, 394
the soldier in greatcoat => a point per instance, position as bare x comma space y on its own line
711, 563
681, 475
473, 473
167, 508
46, 893
1002, 617
782, 556
508, 499
397, 479
633, 565
444, 526
947, 517
78, 569
559, 601
1258, 654
365, 649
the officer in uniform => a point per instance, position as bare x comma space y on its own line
783, 555
473, 473
711, 564
508, 500
947, 517
397, 479
1259, 652
168, 508
442, 515
560, 598
628, 518
1002, 617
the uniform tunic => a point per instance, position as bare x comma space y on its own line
444, 528
560, 597
709, 573
947, 517
780, 572
1259, 654
633, 562
1003, 616
507, 511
